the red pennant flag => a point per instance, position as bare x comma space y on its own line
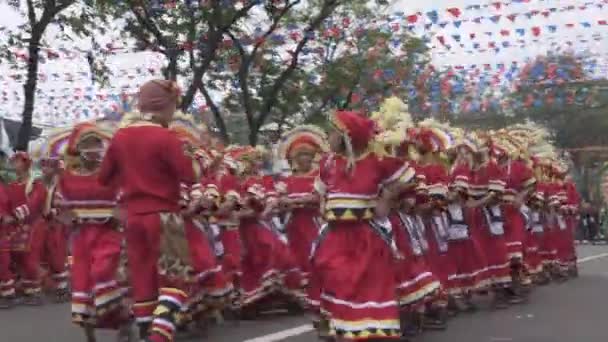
472, 35
455, 11
497, 5
441, 39
536, 31
602, 22
504, 32
512, 16
545, 13
412, 18
569, 25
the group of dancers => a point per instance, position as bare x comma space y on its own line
380, 229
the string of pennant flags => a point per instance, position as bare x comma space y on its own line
453, 88
395, 22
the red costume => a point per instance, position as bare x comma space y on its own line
489, 221
96, 245
149, 163
24, 240
533, 259
303, 219
463, 237
570, 209
355, 254
418, 282
267, 261
519, 179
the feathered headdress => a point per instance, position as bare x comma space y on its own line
393, 122
435, 136
305, 138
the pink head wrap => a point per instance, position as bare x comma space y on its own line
158, 95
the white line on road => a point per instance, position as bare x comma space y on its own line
303, 329
281, 335
592, 257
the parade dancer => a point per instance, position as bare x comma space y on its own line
149, 163
87, 209
56, 237
520, 184
463, 237
432, 142
302, 148
7, 288
223, 179
571, 211
534, 259
24, 235
355, 254
267, 262
206, 282
486, 214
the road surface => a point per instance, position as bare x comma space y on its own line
575, 311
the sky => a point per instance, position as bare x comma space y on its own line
65, 99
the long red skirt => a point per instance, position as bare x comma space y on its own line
233, 252
532, 258
498, 265
547, 245
515, 232
96, 293
301, 233
564, 240
416, 282
266, 263
470, 272
208, 287
357, 271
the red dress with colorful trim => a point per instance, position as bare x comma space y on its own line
25, 240
519, 178
302, 229
463, 239
547, 245
435, 228
490, 222
566, 252
96, 247
355, 255
535, 230
417, 284
266, 259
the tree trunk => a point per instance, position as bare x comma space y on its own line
171, 70
25, 131
254, 129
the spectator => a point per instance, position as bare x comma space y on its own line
590, 221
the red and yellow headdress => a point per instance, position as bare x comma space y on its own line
83, 131
434, 136
357, 129
302, 139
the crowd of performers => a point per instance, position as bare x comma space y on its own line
380, 229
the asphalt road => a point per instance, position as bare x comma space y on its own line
573, 311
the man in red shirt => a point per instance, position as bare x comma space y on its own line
149, 163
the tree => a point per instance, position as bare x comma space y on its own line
190, 34
309, 57
71, 18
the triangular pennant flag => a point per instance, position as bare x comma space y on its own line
455, 11
495, 18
